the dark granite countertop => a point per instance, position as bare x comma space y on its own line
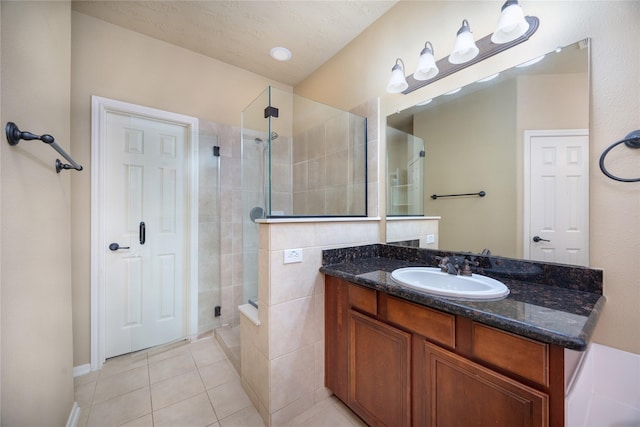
563, 311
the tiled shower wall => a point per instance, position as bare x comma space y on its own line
208, 228
220, 222
281, 182
328, 168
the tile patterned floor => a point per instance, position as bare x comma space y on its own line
190, 384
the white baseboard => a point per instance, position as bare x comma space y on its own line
81, 370
74, 416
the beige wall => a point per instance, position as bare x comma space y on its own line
469, 145
111, 62
361, 71
37, 358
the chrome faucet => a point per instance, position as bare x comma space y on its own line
446, 266
466, 271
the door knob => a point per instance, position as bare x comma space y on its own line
539, 239
114, 247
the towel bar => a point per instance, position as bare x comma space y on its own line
14, 135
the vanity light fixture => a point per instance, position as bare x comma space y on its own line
466, 51
511, 24
398, 82
427, 68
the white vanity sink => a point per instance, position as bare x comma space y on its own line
433, 280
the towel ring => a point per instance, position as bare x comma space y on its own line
632, 140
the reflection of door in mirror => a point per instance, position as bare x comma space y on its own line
405, 174
556, 196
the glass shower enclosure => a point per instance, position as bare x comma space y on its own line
405, 173
300, 159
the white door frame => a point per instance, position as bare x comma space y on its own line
99, 108
528, 135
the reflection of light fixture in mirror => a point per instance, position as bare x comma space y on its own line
397, 82
464, 49
427, 68
451, 92
533, 61
511, 24
491, 77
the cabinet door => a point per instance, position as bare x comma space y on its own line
336, 336
458, 392
379, 371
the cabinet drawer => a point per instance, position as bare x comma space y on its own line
363, 299
434, 325
521, 356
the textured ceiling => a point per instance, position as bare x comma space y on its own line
242, 33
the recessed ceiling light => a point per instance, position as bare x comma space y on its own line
280, 53
451, 92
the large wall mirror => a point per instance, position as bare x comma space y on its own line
521, 138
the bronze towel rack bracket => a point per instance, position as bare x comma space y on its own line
14, 135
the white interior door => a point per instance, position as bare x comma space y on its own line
145, 199
143, 169
557, 196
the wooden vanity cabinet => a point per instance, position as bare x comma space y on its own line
397, 363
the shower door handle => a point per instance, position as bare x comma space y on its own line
142, 233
